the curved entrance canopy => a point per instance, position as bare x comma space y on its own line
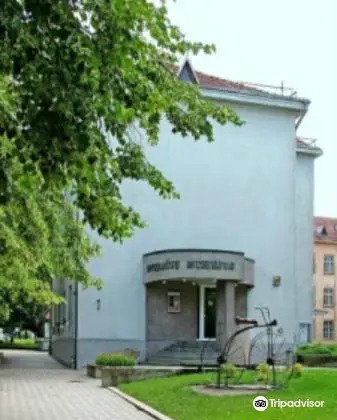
198, 264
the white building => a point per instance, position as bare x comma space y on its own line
240, 236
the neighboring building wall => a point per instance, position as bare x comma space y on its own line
236, 193
322, 281
304, 246
63, 324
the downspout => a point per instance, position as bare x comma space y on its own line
300, 119
75, 359
75, 327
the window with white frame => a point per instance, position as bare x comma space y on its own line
328, 330
328, 296
329, 264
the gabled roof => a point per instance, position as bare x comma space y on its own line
325, 228
208, 81
187, 73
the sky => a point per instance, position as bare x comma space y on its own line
264, 41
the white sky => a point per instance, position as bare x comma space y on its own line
264, 41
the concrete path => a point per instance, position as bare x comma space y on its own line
35, 387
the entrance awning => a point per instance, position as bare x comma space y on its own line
198, 264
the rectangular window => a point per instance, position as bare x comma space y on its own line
329, 264
328, 330
173, 304
328, 297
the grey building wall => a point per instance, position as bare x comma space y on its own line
62, 349
164, 328
241, 298
304, 244
236, 193
89, 348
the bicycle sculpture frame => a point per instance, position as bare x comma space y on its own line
251, 324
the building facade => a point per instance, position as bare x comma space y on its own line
240, 236
325, 278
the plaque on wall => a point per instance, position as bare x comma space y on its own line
173, 302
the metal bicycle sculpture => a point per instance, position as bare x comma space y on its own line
268, 347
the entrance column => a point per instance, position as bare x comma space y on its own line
225, 315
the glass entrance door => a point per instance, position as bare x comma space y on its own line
210, 312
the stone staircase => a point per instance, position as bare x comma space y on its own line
187, 353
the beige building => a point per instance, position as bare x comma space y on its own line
325, 278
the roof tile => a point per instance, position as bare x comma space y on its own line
330, 225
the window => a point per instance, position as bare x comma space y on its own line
314, 263
173, 302
328, 330
329, 264
328, 296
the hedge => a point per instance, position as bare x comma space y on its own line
317, 348
312, 360
115, 359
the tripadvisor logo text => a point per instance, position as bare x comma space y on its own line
261, 403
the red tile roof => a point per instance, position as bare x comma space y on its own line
213, 82
207, 80
325, 228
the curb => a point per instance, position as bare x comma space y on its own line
139, 405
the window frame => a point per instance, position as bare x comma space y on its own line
330, 329
330, 263
173, 302
328, 296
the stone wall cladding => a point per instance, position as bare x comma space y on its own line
163, 327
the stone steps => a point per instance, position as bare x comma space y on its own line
191, 353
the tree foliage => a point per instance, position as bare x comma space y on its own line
26, 313
74, 73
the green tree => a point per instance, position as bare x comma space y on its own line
77, 78
25, 314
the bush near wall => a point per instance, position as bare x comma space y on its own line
318, 348
115, 359
317, 354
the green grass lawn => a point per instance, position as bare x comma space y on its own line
174, 397
20, 344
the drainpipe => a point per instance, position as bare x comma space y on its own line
300, 119
74, 359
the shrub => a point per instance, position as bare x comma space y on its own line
130, 352
229, 370
262, 377
262, 370
115, 359
317, 348
316, 359
298, 370
316, 354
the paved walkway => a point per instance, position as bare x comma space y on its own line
35, 387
